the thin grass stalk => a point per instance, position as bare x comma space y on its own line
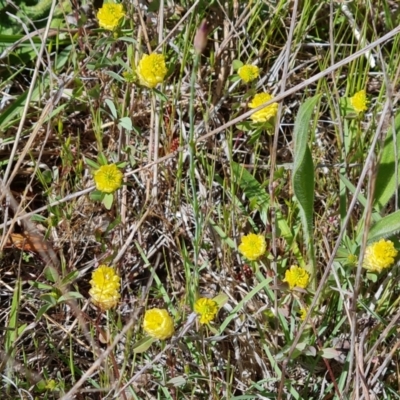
192, 178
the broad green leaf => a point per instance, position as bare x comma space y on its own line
128, 39
70, 278
102, 159
70, 296
91, 163
63, 57
386, 227
49, 299
303, 175
177, 381
51, 274
40, 286
330, 353
13, 111
96, 195
108, 200
43, 310
112, 108
142, 345
236, 64
126, 123
221, 299
386, 182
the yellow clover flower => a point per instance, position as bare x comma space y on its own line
266, 113
248, 73
152, 70
206, 308
108, 178
379, 255
158, 324
253, 246
105, 287
303, 313
297, 277
359, 101
109, 15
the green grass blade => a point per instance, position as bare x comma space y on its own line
303, 175
386, 182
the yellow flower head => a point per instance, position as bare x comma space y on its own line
105, 287
108, 178
152, 70
206, 308
303, 313
379, 255
359, 101
253, 246
158, 324
297, 277
109, 15
266, 113
248, 73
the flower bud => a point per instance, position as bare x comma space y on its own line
200, 40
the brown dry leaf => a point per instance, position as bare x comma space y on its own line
27, 242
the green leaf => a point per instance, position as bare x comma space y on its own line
236, 64
128, 39
113, 224
108, 200
11, 332
117, 77
386, 183
386, 227
43, 310
70, 296
49, 299
38, 218
63, 57
96, 195
221, 299
40, 286
121, 164
14, 111
330, 353
303, 175
102, 159
142, 345
257, 196
112, 108
94, 92
70, 278
91, 163
126, 123
161, 96
51, 274
177, 381
252, 189
373, 277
